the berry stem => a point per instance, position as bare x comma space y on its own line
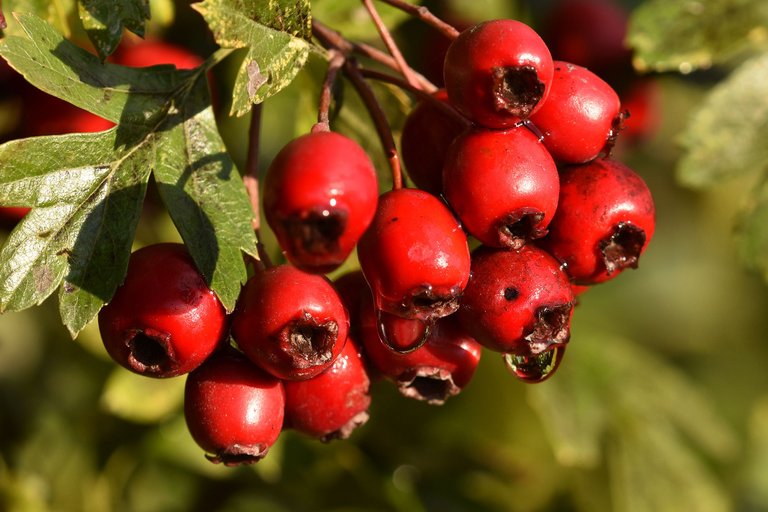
379, 120
335, 63
251, 181
391, 45
425, 15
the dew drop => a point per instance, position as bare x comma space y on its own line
533, 369
402, 334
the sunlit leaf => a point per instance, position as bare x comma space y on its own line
139, 399
104, 21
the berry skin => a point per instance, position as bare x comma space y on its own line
163, 321
517, 302
139, 53
604, 222
414, 256
291, 323
503, 185
427, 133
581, 117
437, 370
319, 197
498, 72
333, 404
234, 410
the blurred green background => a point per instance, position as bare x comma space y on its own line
661, 403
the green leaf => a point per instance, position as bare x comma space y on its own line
752, 231
59, 13
86, 190
276, 34
104, 21
139, 399
684, 35
726, 135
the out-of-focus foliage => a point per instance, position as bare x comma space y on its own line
661, 402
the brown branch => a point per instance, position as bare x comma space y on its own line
251, 180
424, 14
390, 43
335, 63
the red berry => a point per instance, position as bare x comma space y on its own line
414, 256
581, 117
11, 215
435, 371
352, 289
604, 222
319, 197
498, 72
427, 133
517, 301
642, 101
163, 321
333, 404
503, 185
402, 334
139, 53
291, 323
234, 410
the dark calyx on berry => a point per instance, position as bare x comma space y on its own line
516, 89
552, 327
622, 249
317, 232
520, 226
150, 352
357, 421
308, 342
431, 385
238, 455
425, 304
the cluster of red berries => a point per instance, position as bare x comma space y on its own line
521, 173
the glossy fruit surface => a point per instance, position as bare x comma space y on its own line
498, 72
333, 404
291, 323
234, 410
581, 117
502, 184
427, 133
437, 370
517, 301
163, 321
604, 222
139, 53
319, 197
414, 256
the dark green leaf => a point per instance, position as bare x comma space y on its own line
104, 21
726, 135
685, 35
276, 35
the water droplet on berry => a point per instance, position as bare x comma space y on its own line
536, 368
402, 334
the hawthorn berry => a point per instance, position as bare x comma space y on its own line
333, 404
427, 133
581, 117
319, 197
498, 72
164, 320
139, 53
433, 372
604, 222
517, 302
234, 410
414, 256
290, 322
502, 184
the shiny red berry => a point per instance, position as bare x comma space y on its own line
427, 133
291, 323
502, 184
437, 370
333, 404
319, 197
581, 117
414, 256
498, 72
517, 302
604, 222
163, 321
234, 410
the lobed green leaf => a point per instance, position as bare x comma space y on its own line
685, 35
104, 21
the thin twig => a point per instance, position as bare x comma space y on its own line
379, 120
335, 63
390, 43
251, 179
424, 14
